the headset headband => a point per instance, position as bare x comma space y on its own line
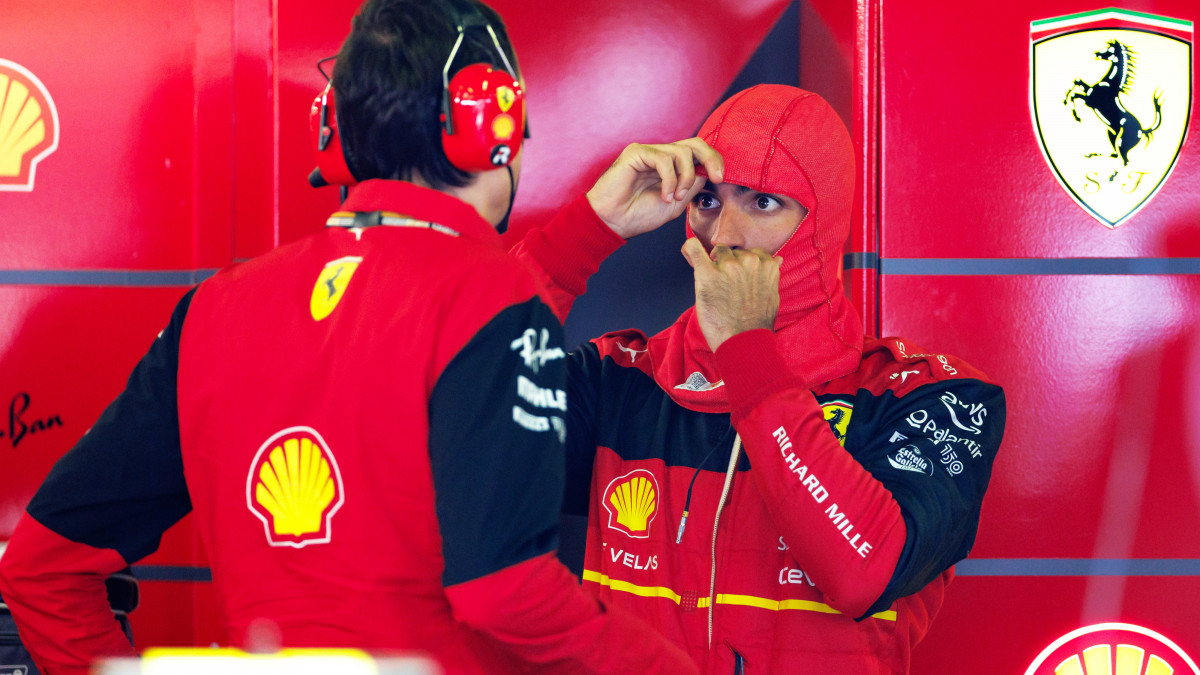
466, 16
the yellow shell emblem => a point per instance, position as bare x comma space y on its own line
1113, 649
632, 502
28, 126
837, 413
503, 127
331, 286
294, 488
1098, 660
505, 97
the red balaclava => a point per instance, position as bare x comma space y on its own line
781, 140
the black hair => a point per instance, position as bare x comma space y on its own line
388, 80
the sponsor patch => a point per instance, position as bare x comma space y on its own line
1113, 649
698, 382
295, 487
28, 126
331, 285
541, 396
632, 503
540, 423
503, 127
536, 352
909, 458
1111, 99
837, 413
505, 98
969, 416
633, 353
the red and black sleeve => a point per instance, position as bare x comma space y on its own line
497, 429
105, 504
881, 517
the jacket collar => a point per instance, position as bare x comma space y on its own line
421, 203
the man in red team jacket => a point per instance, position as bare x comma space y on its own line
772, 490
367, 423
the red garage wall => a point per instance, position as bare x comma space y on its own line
1093, 514
183, 147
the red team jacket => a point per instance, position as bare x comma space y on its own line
369, 425
827, 547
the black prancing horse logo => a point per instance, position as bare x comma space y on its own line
1104, 98
330, 280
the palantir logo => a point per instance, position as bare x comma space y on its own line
1111, 98
28, 126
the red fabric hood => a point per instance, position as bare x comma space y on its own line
788, 141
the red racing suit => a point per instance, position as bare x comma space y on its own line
368, 425
824, 543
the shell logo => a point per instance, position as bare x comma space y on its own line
28, 126
1113, 649
295, 487
503, 127
632, 503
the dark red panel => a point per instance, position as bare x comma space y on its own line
837, 50
861, 285
1098, 455
254, 168
1001, 624
963, 172
139, 90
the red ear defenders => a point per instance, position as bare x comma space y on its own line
332, 167
483, 115
485, 121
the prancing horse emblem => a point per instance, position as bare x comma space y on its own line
1104, 98
1146, 120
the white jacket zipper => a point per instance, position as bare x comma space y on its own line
712, 579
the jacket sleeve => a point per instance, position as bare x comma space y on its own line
497, 427
104, 505
879, 524
565, 252
583, 375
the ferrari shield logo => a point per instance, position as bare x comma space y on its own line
1111, 97
331, 286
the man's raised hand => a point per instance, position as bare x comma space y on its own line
736, 290
650, 184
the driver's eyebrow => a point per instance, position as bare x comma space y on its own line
739, 190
